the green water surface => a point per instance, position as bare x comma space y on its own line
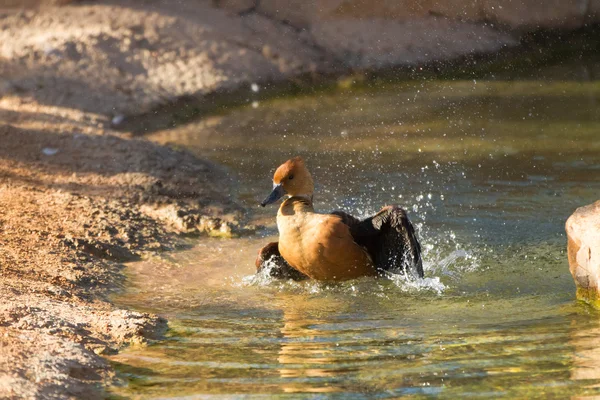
489, 170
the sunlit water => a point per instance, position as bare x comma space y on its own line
489, 171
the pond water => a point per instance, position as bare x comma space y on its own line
489, 170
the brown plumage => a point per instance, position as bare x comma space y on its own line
319, 245
333, 246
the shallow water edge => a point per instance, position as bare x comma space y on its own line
489, 170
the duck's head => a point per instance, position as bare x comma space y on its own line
291, 178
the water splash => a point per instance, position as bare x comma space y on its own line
454, 264
404, 282
417, 285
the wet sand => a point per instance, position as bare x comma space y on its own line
76, 201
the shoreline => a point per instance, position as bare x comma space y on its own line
538, 49
76, 201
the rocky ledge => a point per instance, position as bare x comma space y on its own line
583, 233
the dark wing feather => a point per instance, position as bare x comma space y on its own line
390, 239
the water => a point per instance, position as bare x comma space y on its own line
489, 170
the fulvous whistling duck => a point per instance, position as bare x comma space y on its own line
334, 246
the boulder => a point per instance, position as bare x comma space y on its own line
583, 233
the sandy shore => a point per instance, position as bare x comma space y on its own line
77, 200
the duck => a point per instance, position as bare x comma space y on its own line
333, 246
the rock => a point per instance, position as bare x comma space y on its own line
100, 249
535, 14
583, 233
117, 119
135, 327
49, 151
186, 220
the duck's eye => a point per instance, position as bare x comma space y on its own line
291, 177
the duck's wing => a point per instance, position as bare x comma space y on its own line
347, 218
270, 259
390, 239
340, 257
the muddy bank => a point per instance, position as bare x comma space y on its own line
76, 200
127, 57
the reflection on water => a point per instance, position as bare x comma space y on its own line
489, 171
586, 354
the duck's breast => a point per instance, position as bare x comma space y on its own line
321, 246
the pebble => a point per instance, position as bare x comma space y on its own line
118, 119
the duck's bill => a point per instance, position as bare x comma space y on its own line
277, 193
